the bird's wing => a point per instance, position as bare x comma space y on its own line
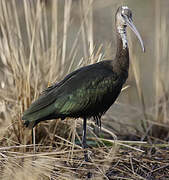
48, 96
83, 98
70, 95
85, 89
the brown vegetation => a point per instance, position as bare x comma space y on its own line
36, 50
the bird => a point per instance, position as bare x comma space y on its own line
90, 90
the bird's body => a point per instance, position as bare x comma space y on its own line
90, 90
86, 92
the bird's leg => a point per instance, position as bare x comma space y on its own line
84, 145
33, 140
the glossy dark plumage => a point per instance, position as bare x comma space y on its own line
90, 90
86, 92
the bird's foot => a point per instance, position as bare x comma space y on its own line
89, 175
86, 157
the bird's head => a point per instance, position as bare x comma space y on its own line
124, 19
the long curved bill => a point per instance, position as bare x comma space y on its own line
134, 29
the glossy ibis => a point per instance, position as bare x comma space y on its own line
90, 90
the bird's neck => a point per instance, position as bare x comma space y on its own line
122, 52
121, 31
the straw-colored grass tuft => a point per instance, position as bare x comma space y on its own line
40, 42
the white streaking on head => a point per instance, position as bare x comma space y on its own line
122, 32
123, 8
121, 26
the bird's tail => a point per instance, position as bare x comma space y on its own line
30, 124
31, 118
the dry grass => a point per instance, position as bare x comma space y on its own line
35, 52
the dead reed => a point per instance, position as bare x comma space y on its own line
35, 51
